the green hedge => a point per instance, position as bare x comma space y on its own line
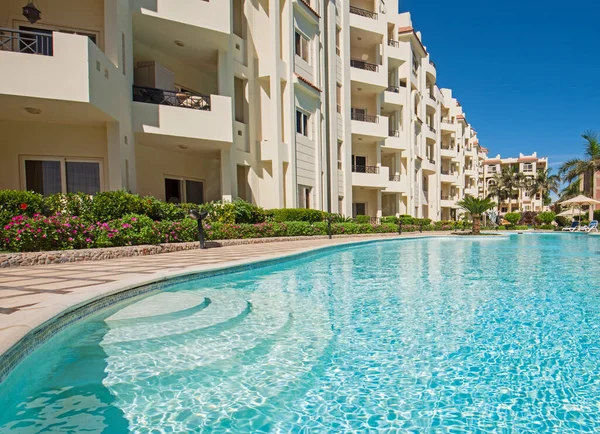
295, 215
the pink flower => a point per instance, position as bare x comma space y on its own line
44, 236
133, 219
70, 239
88, 240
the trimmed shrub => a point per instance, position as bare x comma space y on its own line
501, 228
296, 215
72, 204
513, 217
562, 221
389, 220
130, 230
546, 217
424, 222
547, 227
406, 219
111, 205
15, 202
362, 219
521, 227
246, 212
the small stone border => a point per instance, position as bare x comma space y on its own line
26, 259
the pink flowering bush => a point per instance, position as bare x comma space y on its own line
182, 231
58, 232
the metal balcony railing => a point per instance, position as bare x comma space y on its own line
365, 169
170, 97
22, 41
448, 197
393, 43
433, 97
357, 116
447, 172
395, 178
448, 147
394, 133
433, 130
447, 120
432, 63
395, 89
431, 160
363, 13
364, 65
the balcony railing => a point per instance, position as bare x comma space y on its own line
432, 96
447, 172
393, 43
365, 169
448, 147
170, 97
395, 89
363, 117
433, 130
364, 65
394, 133
22, 41
363, 12
448, 197
431, 160
447, 120
395, 178
432, 63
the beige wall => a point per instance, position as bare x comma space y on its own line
366, 195
153, 164
47, 139
67, 14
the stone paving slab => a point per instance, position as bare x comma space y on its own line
30, 296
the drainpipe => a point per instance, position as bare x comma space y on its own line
326, 103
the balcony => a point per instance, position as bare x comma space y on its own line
393, 43
428, 165
364, 65
64, 76
210, 21
394, 96
182, 119
363, 13
431, 101
448, 200
394, 141
431, 71
448, 151
372, 126
448, 124
449, 176
397, 184
370, 176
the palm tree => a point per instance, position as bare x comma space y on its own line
544, 183
476, 207
507, 185
571, 190
587, 166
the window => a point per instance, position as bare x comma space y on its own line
527, 167
339, 155
179, 190
61, 175
359, 164
302, 123
338, 96
304, 193
302, 44
359, 208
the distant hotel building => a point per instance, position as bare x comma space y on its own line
528, 165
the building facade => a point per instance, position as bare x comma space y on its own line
528, 166
329, 105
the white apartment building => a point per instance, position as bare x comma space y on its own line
528, 165
329, 105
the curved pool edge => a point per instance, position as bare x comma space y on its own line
49, 319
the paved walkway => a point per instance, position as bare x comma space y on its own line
30, 296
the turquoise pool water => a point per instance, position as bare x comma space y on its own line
437, 335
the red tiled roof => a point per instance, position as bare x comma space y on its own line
527, 159
307, 4
304, 80
402, 30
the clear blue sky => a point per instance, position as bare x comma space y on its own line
527, 72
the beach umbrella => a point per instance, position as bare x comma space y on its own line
581, 201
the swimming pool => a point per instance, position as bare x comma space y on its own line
439, 334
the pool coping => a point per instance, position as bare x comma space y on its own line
42, 328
